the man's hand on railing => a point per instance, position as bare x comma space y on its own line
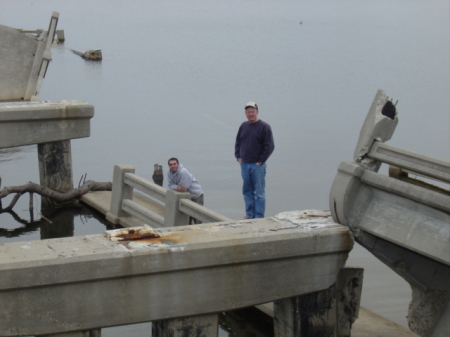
181, 188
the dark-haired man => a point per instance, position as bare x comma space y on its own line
181, 180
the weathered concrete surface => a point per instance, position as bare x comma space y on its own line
326, 313
17, 52
380, 124
408, 228
55, 169
408, 215
28, 123
80, 283
85, 333
368, 324
24, 61
194, 326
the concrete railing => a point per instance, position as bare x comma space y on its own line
176, 207
410, 161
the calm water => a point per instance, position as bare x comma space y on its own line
176, 76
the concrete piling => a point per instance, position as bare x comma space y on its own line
326, 313
55, 168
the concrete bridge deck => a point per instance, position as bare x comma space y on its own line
81, 283
368, 323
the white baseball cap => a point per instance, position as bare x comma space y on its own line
251, 105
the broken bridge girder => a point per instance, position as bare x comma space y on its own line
387, 215
25, 60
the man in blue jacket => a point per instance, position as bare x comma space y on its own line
254, 145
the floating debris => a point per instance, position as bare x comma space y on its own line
93, 55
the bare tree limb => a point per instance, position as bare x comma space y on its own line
13, 202
51, 194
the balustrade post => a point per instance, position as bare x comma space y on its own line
193, 326
172, 215
120, 191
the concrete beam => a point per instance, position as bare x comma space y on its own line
407, 215
28, 123
80, 283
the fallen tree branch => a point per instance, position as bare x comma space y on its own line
13, 202
58, 197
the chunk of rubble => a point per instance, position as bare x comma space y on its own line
310, 218
131, 233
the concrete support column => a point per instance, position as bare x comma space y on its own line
193, 326
55, 168
85, 333
119, 192
326, 313
172, 215
348, 288
312, 314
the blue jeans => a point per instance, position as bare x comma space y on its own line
253, 189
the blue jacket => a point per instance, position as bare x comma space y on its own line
254, 142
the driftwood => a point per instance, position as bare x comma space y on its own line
58, 197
